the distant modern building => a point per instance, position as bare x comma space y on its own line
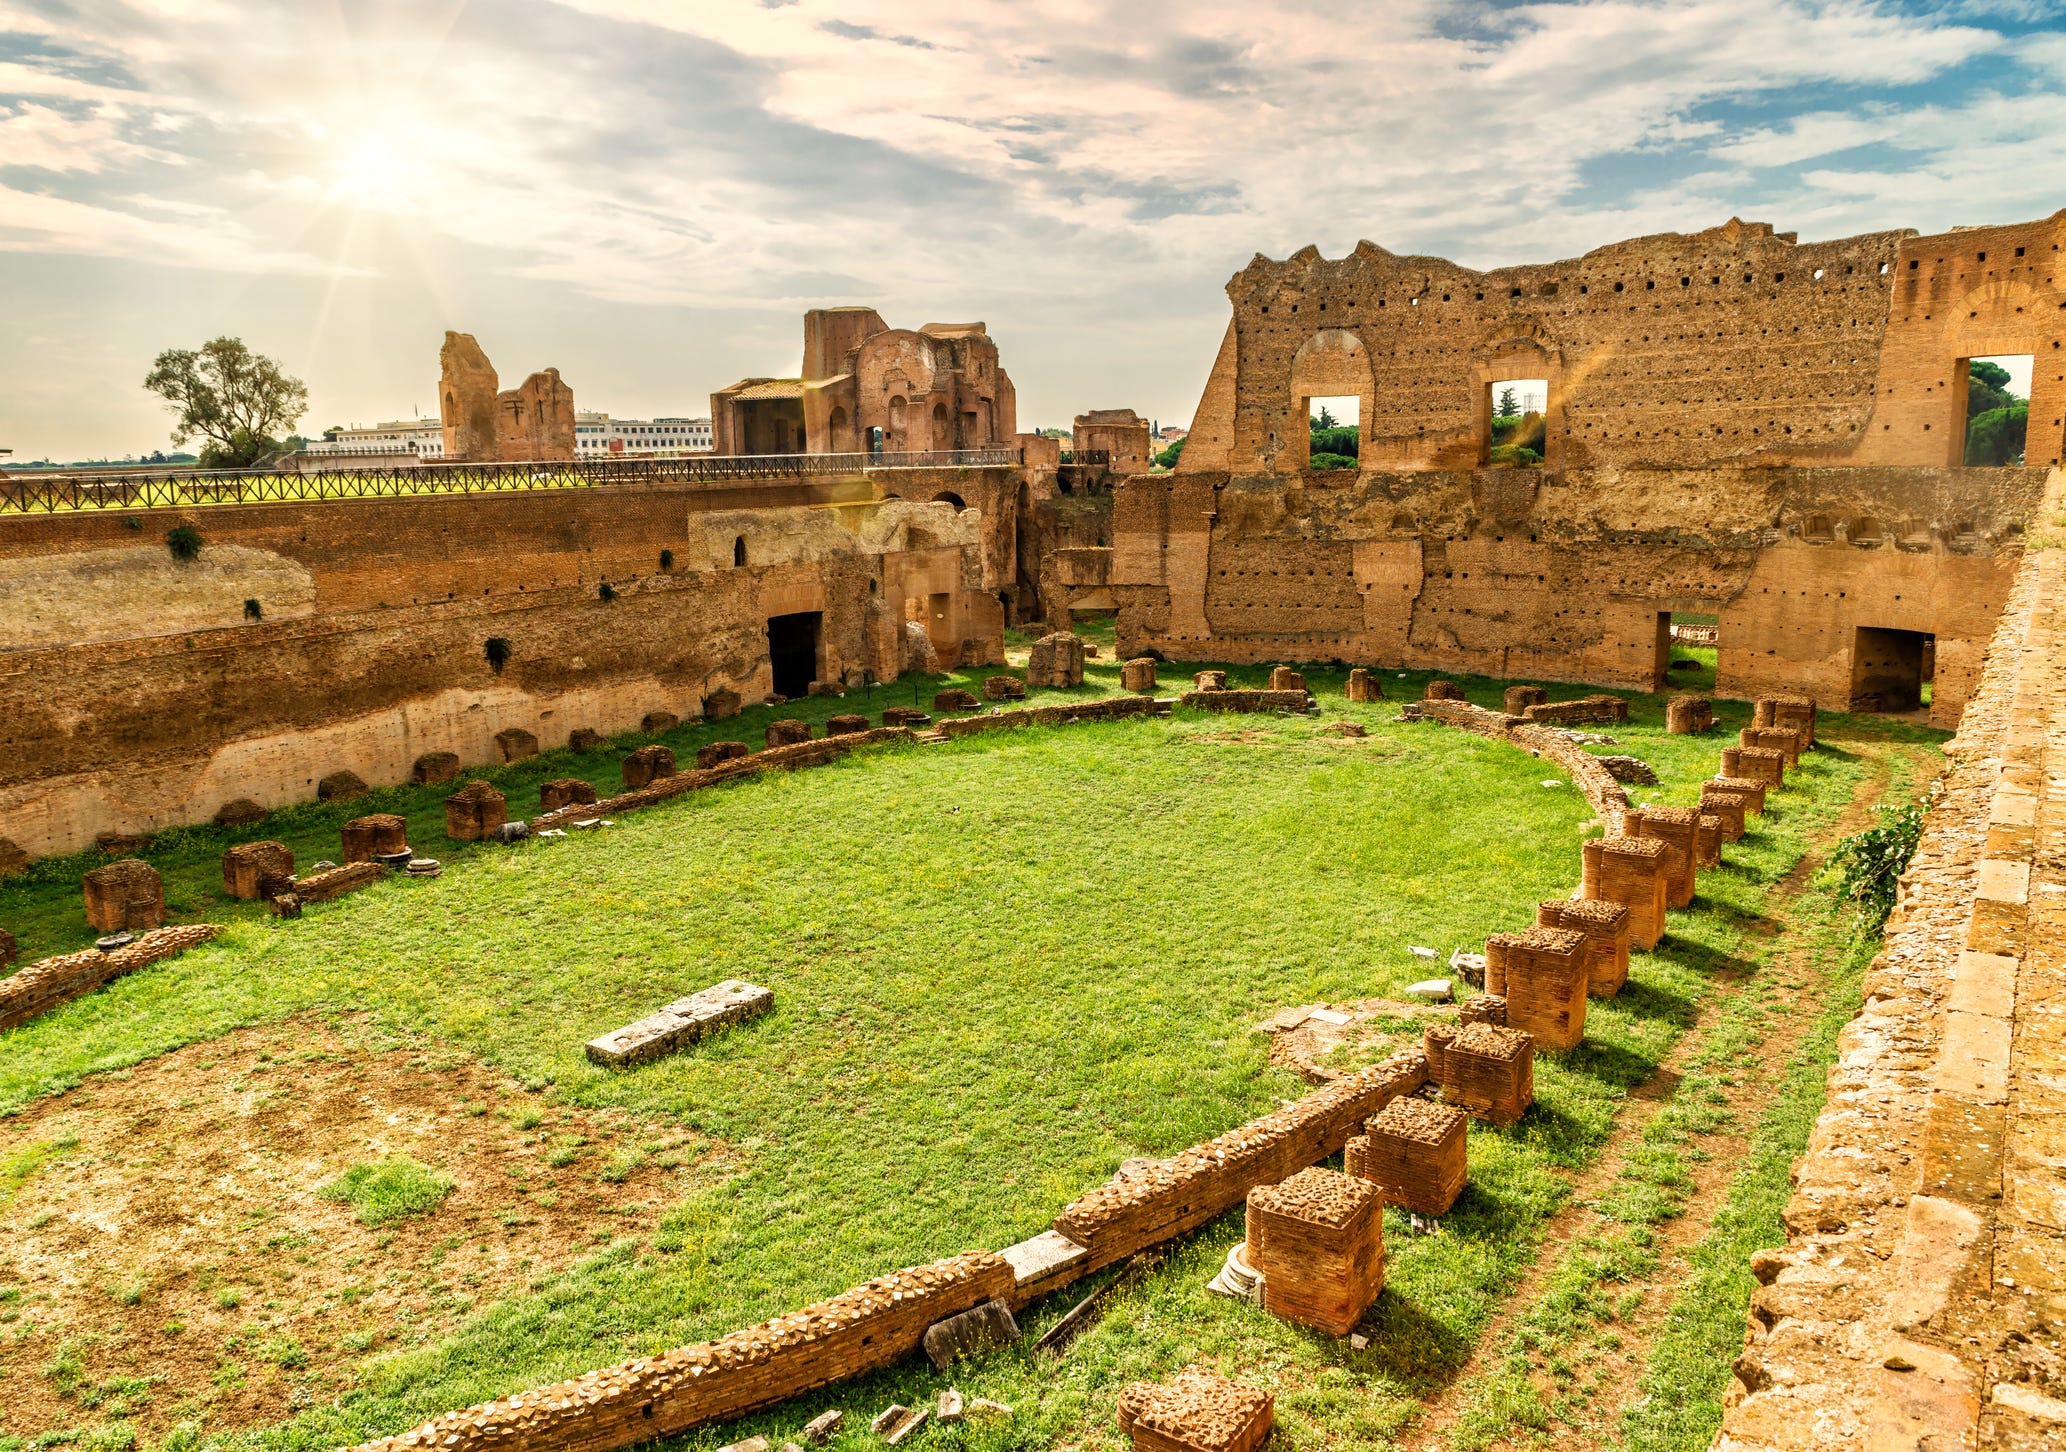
597, 435
423, 437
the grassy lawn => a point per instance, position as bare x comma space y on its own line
1001, 965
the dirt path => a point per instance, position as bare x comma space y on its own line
1580, 1421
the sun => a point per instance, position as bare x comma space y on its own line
368, 167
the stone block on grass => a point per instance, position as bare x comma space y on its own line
720, 751
787, 732
681, 1024
565, 791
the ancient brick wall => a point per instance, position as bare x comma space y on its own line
1916, 1300
1567, 576
385, 608
1735, 423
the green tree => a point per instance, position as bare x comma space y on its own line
1325, 420
1987, 388
234, 398
1168, 457
1509, 406
1996, 437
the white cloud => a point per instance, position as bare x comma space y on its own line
1076, 167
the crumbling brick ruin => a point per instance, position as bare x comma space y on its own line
1196, 1411
124, 896
1738, 423
1118, 433
868, 387
534, 421
1917, 1298
42, 986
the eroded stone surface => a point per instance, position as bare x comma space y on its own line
681, 1023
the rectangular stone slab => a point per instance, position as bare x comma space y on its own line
1047, 1262
680, 1024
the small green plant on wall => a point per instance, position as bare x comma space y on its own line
184, 541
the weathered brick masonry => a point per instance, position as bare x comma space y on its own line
165, 701
1918, 1299
1737, 423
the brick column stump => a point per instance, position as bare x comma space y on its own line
1605, 925
647, 765
1489, 1072
254, 870
1414, 1152
1284, 678
124, 896
1688, 715
1544, 983
475, 812
1630, 871
1318, 1240
1138, 674
565, 791
381, 835
1678, 828
1756, 763
1364, 687
787, 732
1519, 698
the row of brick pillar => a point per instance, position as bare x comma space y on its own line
1538, 981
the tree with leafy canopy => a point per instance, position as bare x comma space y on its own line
1509, 405
1168, 457
236, 399
1997, 420
1325, 420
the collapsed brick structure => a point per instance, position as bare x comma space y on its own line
866, 386
43, 985
1185, 1191
874, 1325
1196, 1411
567, 791
1120, 434
1736, 423
484, 422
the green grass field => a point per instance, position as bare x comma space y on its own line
1002, 965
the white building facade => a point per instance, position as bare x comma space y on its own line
598, 436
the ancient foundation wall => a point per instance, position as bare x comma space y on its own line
1918, 1297
138, 693
1570, 575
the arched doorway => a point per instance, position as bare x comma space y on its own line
941, 436
838, 431
898, 440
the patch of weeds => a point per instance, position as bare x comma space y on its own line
282, 1351
389, 1189
18, 1168
359, 1340
228, 1298
567, 1153
229, 1374
622, 1166
66, 1369
130, 1292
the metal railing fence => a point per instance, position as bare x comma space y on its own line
128, 488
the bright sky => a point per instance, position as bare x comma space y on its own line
648, 193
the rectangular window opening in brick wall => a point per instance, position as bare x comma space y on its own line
1991, 411
1516, 414
1335, 437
